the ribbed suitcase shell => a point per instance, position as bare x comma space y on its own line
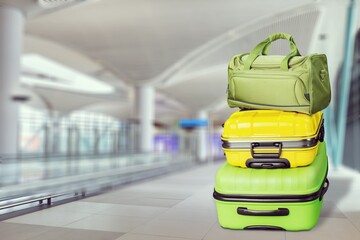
270, 191
298, 133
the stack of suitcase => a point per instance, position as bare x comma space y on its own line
275, 176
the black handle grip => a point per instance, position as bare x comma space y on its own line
259, 227
278, 212
267, 163
324, 189
276, 145
321, 135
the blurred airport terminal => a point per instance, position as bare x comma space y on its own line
111, 113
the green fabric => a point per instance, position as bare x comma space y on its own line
290, 83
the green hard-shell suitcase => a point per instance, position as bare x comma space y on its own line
287, 199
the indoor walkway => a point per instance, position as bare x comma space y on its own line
175, 207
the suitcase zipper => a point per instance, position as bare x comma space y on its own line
268, 65
319, 194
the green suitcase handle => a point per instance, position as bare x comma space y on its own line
249, 212
264, 227
264, 47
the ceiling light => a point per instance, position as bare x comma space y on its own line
40, 71
56, 3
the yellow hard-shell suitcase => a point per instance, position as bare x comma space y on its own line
271, 138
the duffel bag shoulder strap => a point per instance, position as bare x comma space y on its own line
264, 47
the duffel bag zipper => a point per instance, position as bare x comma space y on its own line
268, 65
269, 105
278, 74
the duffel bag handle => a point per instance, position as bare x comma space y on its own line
264, 47
276, 36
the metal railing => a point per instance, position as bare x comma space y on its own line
63, 157
35, 180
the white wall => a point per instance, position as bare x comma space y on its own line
332, 26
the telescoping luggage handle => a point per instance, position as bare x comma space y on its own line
277, 145
264, 46
267, 160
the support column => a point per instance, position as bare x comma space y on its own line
145, 112
345, 82
202, 140
11, 35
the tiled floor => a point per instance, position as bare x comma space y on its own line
176, 207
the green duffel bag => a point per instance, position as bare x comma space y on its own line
290, 83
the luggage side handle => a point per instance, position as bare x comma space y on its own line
324, 189
248, 212
321, 135
254, 145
